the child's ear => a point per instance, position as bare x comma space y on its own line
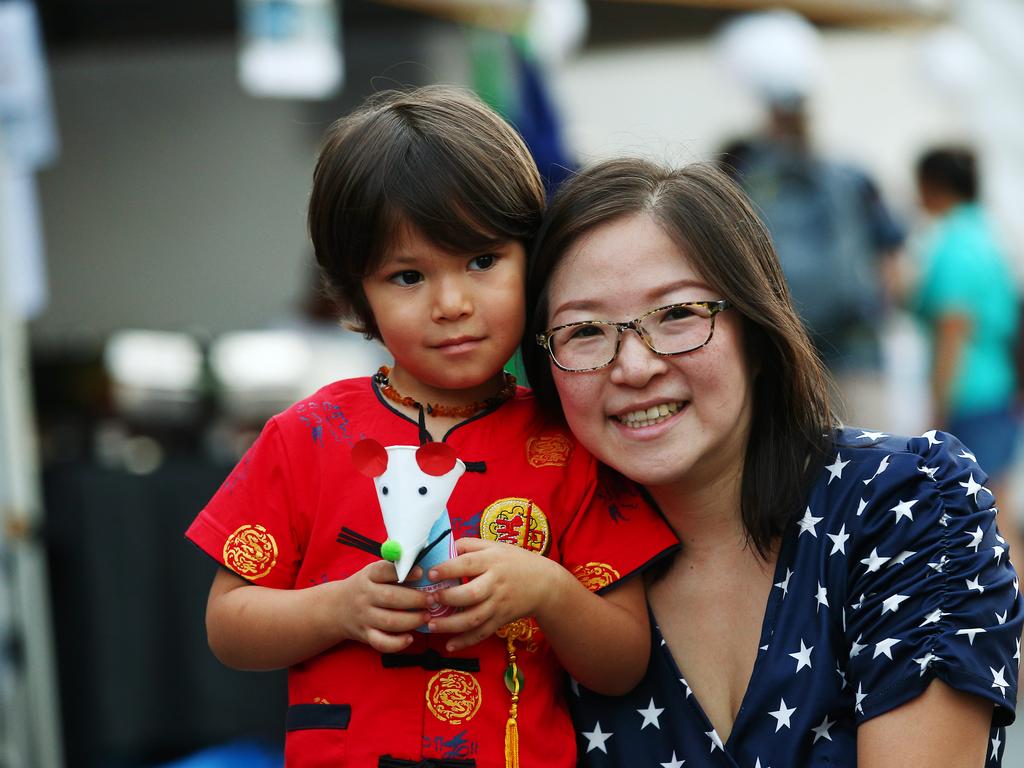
436, 459
369, 458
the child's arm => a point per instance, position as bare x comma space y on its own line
259, 628
602, 641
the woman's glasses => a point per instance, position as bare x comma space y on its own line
673, 330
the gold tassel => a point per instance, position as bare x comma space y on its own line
511, 725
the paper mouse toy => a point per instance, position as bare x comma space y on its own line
413, 486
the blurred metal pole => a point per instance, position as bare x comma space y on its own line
30, 732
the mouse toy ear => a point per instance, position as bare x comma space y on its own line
369, 458
436, 459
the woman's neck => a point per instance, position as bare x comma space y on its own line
704, 515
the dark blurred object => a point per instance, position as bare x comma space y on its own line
138, 682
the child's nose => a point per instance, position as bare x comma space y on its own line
453, 299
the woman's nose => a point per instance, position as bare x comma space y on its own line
452, 299
636, 364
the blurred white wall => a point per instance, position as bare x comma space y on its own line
178, 202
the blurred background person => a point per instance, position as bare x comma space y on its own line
827, 219
968, 303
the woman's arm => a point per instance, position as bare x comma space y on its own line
259, 628
602, 641
941, 728
951, 332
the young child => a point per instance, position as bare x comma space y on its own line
422, 206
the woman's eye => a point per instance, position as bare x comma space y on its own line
407, 277
486, 261
585, 332
678, 313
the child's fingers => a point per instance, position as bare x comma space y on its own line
467, 627
399, 598
395, 622
472, 544
473, 592
381, 572
465, 566
387, 643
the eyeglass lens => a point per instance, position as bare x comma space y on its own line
668, 331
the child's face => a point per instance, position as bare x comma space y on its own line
450, 320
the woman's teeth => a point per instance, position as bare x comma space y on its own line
649, 416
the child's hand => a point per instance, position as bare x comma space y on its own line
504, 583
373, 609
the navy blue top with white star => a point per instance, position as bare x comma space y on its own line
894, 575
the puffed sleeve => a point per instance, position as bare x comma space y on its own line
248, 524
615, 532
931, 592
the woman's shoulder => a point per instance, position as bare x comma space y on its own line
871, 468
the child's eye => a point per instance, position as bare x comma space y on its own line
406, 277
486, 261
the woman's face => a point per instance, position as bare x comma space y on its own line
617, 272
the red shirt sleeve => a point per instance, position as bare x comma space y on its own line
249, 525
615, 533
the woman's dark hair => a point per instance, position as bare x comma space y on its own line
434, 158
713, 223
951, 169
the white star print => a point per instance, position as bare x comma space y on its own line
882, 466
856, 606
782, 715
1017, 654
821, 732
842, 676
807, 523
687, 686
575, 686
975, 583
930, 471
903, 510
803, 656
839, 541
926, 661
998, 681
860, 698
939, 565
1001, 617
596, 738
972, 487
932, 440
872, 436
673, 763
996, 744
836, 469
716, 740
651, 715
971, 633
884, 647
944, 520
965, 454
861, 506
901, 558
857, 647
874, 561
1016, 587
934, 617
997, 554
821, 597
975, 538
784, 584
893, 603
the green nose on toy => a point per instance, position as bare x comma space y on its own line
391, 550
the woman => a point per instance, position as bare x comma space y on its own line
842, 597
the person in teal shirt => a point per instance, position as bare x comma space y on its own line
968, 302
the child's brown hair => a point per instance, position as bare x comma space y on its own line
435, 158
